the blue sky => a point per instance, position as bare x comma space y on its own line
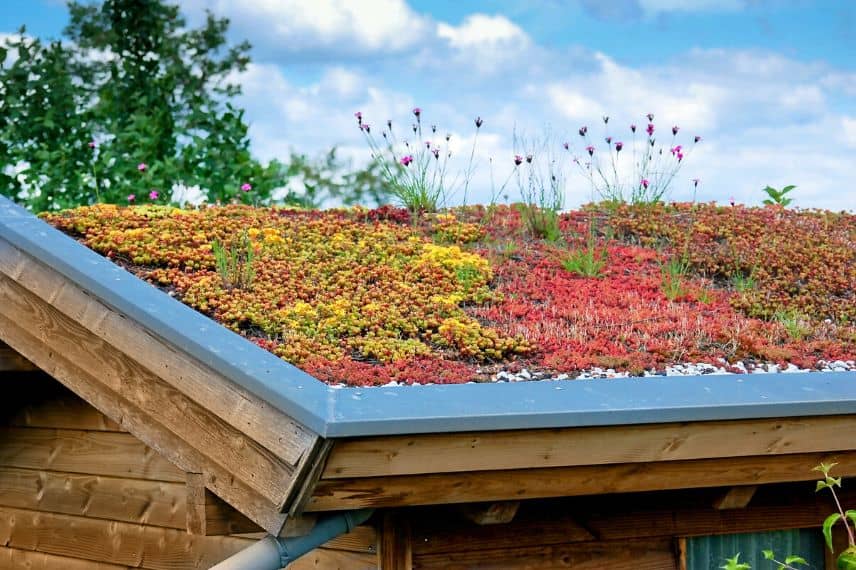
770, 85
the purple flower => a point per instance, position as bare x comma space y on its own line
427, 144
644, 183
583, 131
650, 129
680, 156
696, 139
131, 197
365, 127
590, 150
153, 195
650, 117
359, 117
436, 153
406, 160
92, 144
675, 149
142, 167
695, 182
417, 111
608, 140
618, 146
479, 122
633, 128
731, 200
529, 158
518, 160
246, 187
567, 146
675, 130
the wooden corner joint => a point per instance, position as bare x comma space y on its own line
500, 512
209, 515
735, 498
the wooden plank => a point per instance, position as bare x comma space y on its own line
219, 442
11, 361
138, 546
164, 442
735, 497
500, 512
14, 559
208, 515
528, 449
317, 460
129, 500
625, 555
395, 549
325, 559
340, 494
241, 409
60, 411
113, 454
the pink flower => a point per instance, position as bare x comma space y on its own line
359, 117
680, 156
566, 145
246, 187
608, 140
132, 197
618, 146
675, 149
731, 200
142, 167
153, 194
417, 111
650, 117
645, 183
427, 144
406, 160
696, 139
650, 129
518, 160
590, 150
529, 158
365, 127
675, 130
436, 152
583, 131
633, 128
92, 144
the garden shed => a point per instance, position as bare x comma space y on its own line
138, 433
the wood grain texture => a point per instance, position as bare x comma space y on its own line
113, 454
11, 361
339, 494
244, 411
735, 497
129, 500
395, 546
208, 515
137, 546
528, 449
217, 441
149, 431
625, 555
14, 559
66, 411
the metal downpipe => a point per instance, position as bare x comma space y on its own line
272, 553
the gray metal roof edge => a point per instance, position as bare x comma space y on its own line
352, 412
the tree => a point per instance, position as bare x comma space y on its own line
129, 104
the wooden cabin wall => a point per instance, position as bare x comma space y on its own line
78, 492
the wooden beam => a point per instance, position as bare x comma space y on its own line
145, 428
57, 409
208, 515
219, 442
340, 494
500, 512
11, 361
112, 454
138, 546
155, 503
735, 497
395, 551
529, 449
244, 411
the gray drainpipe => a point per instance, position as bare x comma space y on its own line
272, 553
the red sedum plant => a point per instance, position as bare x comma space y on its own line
365, 297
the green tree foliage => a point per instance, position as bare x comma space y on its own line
131, 77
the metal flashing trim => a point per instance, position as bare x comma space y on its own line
352, 412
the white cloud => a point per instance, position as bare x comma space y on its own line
655, 6
479, 31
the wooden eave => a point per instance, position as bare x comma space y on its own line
248, 453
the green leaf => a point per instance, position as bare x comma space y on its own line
851, 514
768, 554
795, 560
827, 528
821, 485
735, 564
787, 189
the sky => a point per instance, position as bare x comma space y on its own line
769, 85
